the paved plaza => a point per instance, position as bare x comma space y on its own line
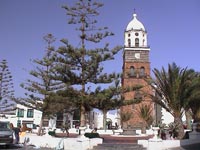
115, 139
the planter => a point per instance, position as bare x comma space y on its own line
52, 133
82, 132
92, 135
155, 133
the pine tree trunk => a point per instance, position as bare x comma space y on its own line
104, 119
40, 127
82, 116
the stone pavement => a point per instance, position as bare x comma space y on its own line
188, 147
133, 140
110, 146
115, 139
111, 142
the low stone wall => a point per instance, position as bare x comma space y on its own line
166, 144
59, 143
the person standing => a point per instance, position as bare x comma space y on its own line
16, 133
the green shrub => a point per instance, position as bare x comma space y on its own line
92, 135
52, 133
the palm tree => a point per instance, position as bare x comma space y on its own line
145, 112
194, 98
171, 88
125, 117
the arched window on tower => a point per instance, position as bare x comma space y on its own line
142, 72
136, 42
129, 42
132, 71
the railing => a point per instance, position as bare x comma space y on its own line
144, 46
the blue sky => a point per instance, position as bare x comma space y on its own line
173, 28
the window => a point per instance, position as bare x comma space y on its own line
30, 113
136, 42
129, 35
142, 72
129, 42
20, 112
132, 71
136, 34
18, 123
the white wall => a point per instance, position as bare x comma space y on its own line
98, 119
168, 118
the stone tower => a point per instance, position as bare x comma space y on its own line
136, 70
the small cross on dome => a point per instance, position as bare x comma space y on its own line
134, 13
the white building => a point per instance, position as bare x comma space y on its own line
22, 114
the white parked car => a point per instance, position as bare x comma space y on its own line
6, 134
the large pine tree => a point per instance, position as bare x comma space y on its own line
81, 67
41, 86
6, 87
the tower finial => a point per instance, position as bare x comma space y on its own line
134, 11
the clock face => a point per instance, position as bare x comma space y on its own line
137, 55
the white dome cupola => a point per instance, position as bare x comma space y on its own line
135, 24
135, 35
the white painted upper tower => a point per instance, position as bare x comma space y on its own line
135, 35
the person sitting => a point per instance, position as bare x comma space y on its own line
94, 130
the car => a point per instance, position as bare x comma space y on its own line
6, 134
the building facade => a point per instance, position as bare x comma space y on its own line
136, 71
22, 115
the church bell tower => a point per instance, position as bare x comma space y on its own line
136, 70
